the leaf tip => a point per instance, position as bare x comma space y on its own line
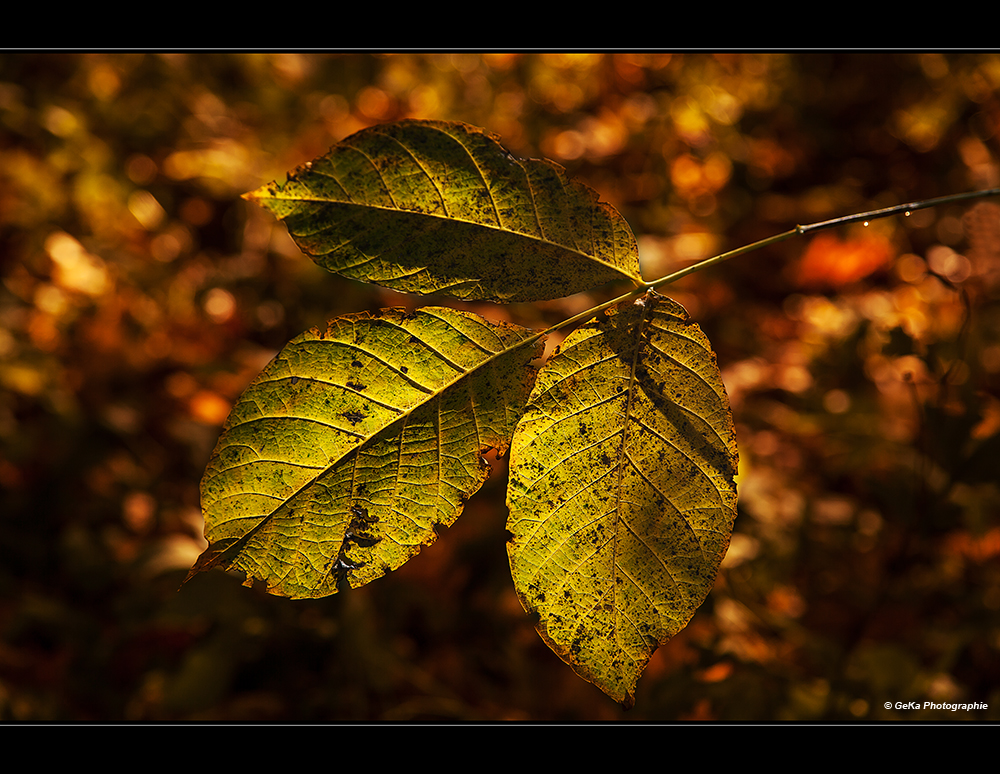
260, 196
257, 193
211, 557
205, 562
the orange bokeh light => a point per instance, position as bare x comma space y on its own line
832, 262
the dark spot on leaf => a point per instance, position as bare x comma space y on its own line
356, 364
404, 369
356, 386
360, 518
353, 416
343, 564
357, 530
341, 567
360, 539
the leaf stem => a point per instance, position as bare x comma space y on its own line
800, 230
797, 231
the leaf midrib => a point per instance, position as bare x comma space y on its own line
452, 219
647, 302
373, 438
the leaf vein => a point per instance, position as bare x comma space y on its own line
479, 170
416, 161
378, 172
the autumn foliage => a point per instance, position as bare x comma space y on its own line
140, 295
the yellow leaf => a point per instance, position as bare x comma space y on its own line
439, 207
356, 443
622, 495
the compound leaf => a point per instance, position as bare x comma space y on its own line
441, 207
621, 494
356, 443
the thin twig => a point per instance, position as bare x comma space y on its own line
800, 230
797, 231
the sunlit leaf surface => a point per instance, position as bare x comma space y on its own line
621, 492
356, 443
438, 207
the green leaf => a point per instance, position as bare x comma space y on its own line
437, 207
356, 443
622, 495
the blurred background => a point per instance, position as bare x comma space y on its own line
140, 295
